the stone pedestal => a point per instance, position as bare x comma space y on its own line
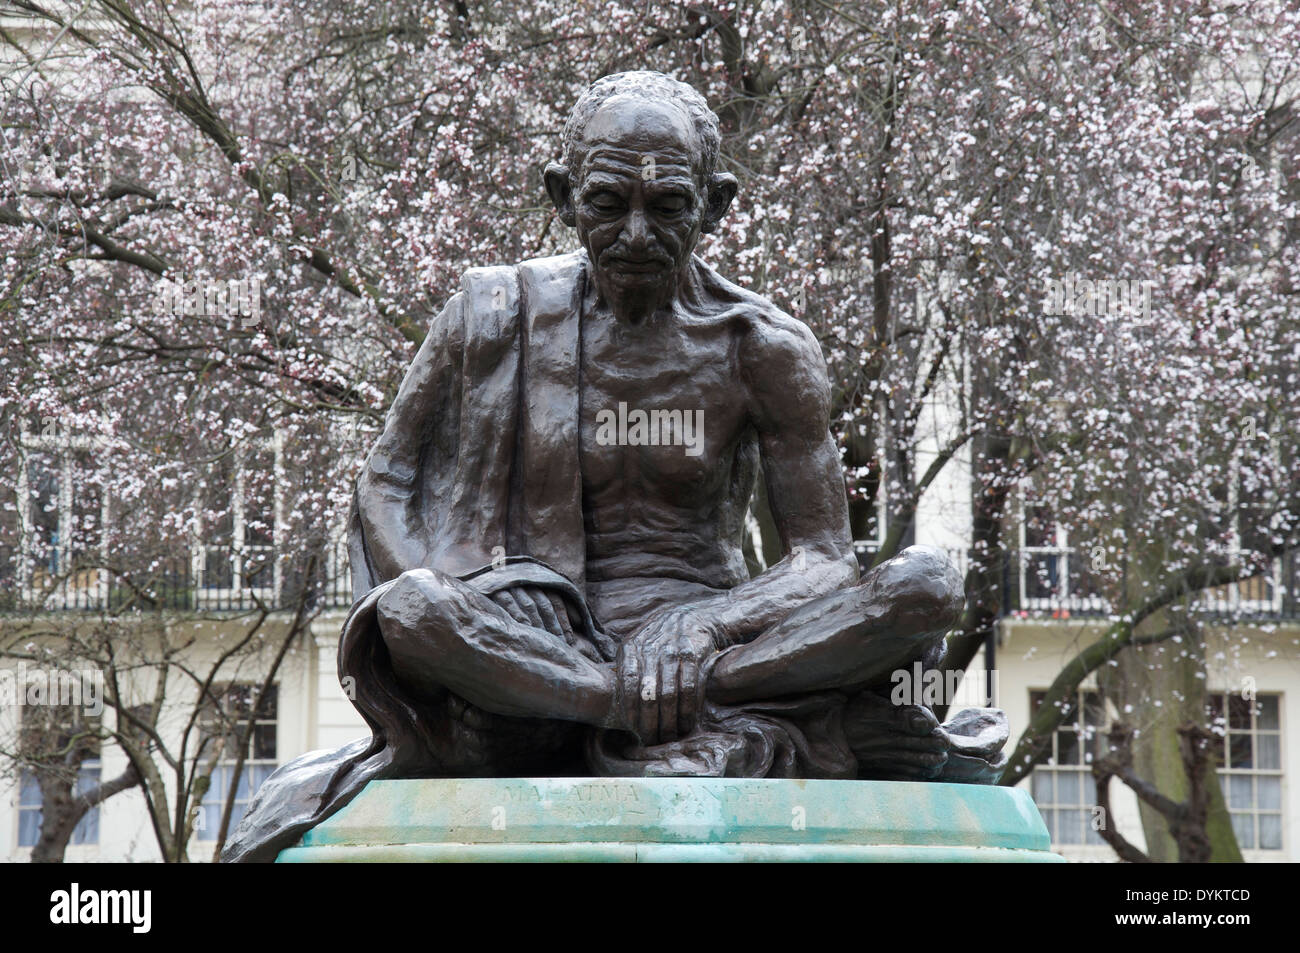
676, 820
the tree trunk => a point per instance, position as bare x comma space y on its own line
1172, 672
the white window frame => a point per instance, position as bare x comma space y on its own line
237, 594
1051, 771
216, 793
1254, 772
1063, 552
68, 593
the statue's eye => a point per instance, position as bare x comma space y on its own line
671, 204
605, 202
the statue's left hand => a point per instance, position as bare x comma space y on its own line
659, 673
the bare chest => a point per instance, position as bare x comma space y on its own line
662, 410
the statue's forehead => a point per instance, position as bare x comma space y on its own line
624, 129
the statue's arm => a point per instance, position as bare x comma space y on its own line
387, 493
785, 374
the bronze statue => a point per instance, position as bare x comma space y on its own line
546, 539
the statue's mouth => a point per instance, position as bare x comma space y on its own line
636, 266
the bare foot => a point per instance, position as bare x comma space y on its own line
895, 742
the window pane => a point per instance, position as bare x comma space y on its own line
210, 817
87, 829
87, 776
1243, 825
1219, 748
235, 705
1269, 792
1067, 787
1042, 575
217, 785
1214, 708
1092, 745
1239, 791
1072, 824
29, 793
264, 741
29, 828
267, 709
236, 815
1270, 752
1267, 717
1040, 528
1042, 783
1094, 710
1239, 711
1239, 753
1270, 831
1067, 747
1091, 835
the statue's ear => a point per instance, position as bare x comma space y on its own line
560, 191
722, 189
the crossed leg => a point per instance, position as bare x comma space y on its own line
443, 634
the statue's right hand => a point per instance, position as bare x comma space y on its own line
542, 609
659, 675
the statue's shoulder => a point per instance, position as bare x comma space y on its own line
494, 290
767, 332
567, 267
552, 267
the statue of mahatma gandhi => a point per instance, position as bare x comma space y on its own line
546, 539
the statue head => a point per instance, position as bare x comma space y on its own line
638, 179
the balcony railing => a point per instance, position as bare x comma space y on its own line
207, 579
1038, 583
1059, 583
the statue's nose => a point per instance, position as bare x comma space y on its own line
636, 232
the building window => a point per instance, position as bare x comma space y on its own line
62, 513
29, 807
48, 734
234, 556
1250, 755
1053, 574
1063, 787
221, 721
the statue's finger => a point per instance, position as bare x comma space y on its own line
571, 611
561, 607
629, 673
529, 607
688, 698
550, 621
506, 600
668, 666
648, 692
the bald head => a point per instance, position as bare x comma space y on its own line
632, 92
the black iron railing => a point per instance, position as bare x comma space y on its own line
1037, 583
207, 578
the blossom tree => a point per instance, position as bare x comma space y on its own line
921, 181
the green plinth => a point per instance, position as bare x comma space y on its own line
676, 820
